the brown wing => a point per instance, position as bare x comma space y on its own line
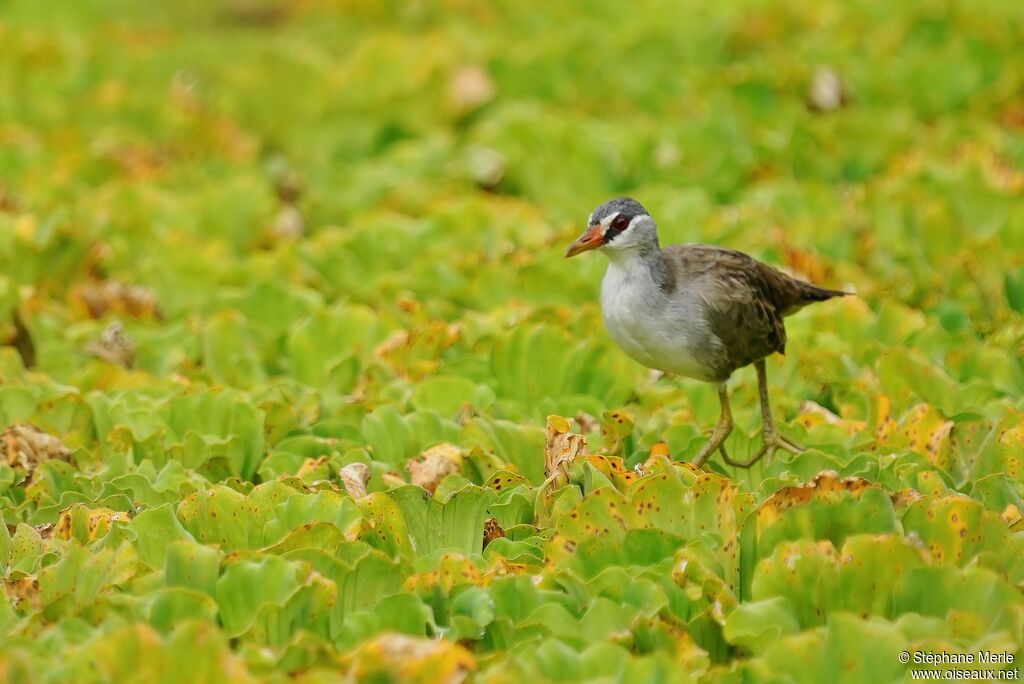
746, 300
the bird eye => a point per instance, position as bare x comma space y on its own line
620, 222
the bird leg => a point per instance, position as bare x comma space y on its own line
773, 440
721, 431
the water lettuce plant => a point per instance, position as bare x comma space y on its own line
294, 380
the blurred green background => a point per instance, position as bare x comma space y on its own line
256, 242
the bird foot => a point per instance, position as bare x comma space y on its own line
715, 442
785, 443
773, 441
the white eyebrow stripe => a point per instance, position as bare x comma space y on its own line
635, 219
607, 221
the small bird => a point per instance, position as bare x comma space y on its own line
699, 311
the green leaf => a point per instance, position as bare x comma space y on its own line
192, 566
756, 625
1013, 283
168, 607
154, 530
454, 524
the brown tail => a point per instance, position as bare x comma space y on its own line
804, 293
791, 294
812, 293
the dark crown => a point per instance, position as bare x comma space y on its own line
627, 206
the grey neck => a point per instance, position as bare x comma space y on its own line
648, 259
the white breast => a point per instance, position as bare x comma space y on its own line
657, 331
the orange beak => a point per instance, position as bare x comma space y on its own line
591, 239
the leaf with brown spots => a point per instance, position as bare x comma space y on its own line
957, 530
234, 521
816, 580
616, 432
924, 431
479, 464
383, 525
826, 508
614, 469
998, 494
85, 524
453, 569
711, 510
969, 434
1010, 444
930, 483
503, 480
884, 423
826, 486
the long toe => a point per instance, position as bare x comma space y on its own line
772, 443
714, 442
766, 449
787, 444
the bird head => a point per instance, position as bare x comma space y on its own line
616, 226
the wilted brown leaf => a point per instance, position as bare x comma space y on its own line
287, 225
433, 465
8, 202
469, 88
21, 339
113, 346
354, 477
262, 13
827, 92
486, 166
23, 593
25, 446
562, 447
587, 422
902, 498
96, 298
492, 531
